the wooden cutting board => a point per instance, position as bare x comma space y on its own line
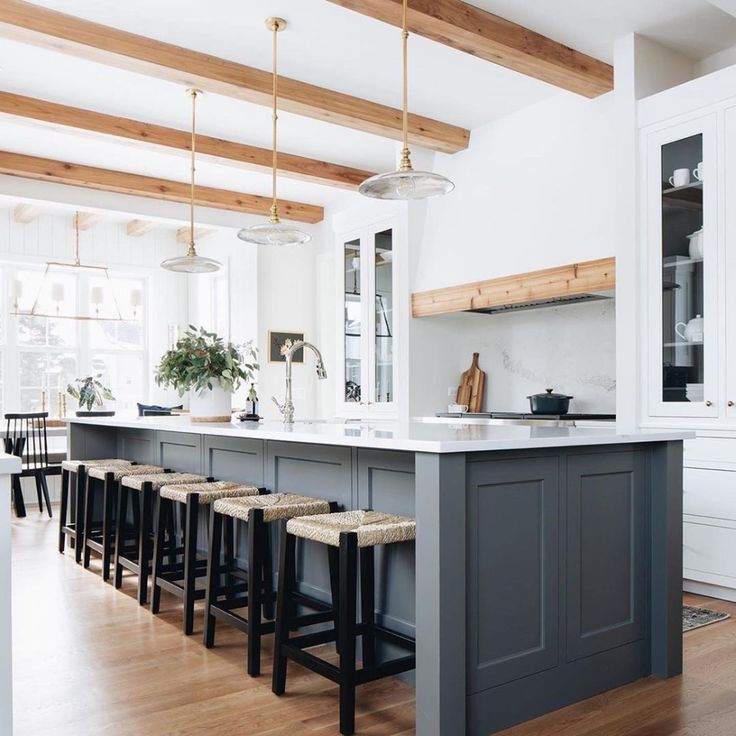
472, 385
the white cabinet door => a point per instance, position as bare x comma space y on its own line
367, 342
729, 275
682, 238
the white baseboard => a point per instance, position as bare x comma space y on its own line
712, 591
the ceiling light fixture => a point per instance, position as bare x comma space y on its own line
405, 183
274, 232
50, 291
191, 262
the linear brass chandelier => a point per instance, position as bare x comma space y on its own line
53, 291
191, 262
405, 182
274, 232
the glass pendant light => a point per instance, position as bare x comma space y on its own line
405, 183
191, 262
274, 232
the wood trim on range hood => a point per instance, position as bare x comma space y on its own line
552, 286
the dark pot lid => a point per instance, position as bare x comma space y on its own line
550, 395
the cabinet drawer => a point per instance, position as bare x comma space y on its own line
710, 493
714, 450
709, 553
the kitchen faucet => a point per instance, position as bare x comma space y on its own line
287, 408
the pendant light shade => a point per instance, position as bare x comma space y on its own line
191, 262
405, 183
274, 232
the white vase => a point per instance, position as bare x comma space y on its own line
211, 405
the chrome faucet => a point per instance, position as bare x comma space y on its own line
287, 408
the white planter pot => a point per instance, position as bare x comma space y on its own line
211, 405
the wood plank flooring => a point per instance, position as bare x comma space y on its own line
88, 660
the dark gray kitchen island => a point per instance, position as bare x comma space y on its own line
548, 561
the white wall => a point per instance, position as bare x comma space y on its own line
536, 189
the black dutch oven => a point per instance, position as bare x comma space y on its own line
549, 403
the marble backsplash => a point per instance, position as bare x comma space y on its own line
571, 348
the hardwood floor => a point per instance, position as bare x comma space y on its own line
88, 660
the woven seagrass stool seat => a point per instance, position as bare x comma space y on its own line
348, 536
180, 576
71, 513
134, 543
230, 588
101, 489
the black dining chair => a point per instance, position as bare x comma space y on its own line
26, 438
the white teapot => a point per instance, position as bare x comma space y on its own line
693, 331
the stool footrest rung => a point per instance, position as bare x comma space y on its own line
314, 603
178, 590
312, 662
386, 669
392, 637
305, 641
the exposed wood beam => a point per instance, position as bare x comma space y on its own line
86, 220
138, 228
68, 34
468, 28
25, 213
252, 157
32, 167
182, 234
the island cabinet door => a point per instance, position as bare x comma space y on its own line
513, 569
606, 551
179, 451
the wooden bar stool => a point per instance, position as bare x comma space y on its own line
71, 513
137, 556
99, 537
180, 578
346, 534
256, 595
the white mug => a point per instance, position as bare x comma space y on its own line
698, 171
680, 178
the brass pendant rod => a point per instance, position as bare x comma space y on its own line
192, 251
275, 116
405, 164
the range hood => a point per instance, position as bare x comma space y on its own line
551, 287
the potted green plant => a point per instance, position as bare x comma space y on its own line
89, 391
210, 369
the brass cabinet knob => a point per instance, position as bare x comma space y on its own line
709, 403
730, 403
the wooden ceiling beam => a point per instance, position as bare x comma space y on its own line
216, 149
63, 172
182, 234
474, 31
87, 220
39, 26
25, 213
138, 228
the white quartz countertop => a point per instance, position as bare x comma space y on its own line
412, 436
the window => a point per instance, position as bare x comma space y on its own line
42, 355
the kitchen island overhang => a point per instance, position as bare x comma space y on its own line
548, 561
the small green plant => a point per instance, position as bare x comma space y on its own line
201, 358
89, 391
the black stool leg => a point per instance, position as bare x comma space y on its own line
159, 525
333, 557
144, 543
18, 502
37, 478
108, 502
229, 539
287, 576
120, 519
79, 517
213, 577
368, 605
45, 491
63, 508
88, 506
268, 604
347, 630
256, 540
190, 561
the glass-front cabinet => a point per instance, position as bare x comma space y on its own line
367, 319
682, 286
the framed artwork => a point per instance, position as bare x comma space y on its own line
277, 341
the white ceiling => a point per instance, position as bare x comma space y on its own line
325, 45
